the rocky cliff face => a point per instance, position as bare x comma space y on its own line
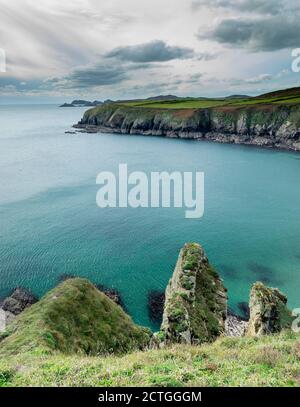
261, 125
196, 301
268, 311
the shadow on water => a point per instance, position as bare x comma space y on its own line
228, 271
264, 274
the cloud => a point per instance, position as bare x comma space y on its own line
265, 34
101, 74
154, 51
273, 7
260, 78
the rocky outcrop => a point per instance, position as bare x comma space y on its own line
18, 301
235, 325
276, 126
196, 301
268, 311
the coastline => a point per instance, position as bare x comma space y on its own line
221, 138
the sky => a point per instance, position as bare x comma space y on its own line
56, 51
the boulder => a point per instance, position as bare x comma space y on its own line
195, 300
20, 299
268, 311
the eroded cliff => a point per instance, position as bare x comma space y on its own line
268, 125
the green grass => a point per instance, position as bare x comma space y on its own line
67, 339
277, 99
73, 317
268, 361
179, 104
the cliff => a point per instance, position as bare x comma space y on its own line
196, 301
271, 125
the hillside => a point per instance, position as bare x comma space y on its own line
73, 317
271, 120
76, 336
267, 361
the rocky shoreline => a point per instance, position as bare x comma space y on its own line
261, 126
194, 306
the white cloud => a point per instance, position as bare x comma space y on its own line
68, 41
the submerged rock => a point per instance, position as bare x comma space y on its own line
268, 311
196, 300
156, 300
111, 293
244, 309
18, 301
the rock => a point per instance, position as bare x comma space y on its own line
196, 301
20, 299
112, 293
156, 300
268, 311
235, 325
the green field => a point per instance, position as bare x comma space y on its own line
207, 103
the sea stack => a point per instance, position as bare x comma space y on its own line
196, 301
268, 311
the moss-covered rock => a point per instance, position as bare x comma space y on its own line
196, 301
268, 311
74, 317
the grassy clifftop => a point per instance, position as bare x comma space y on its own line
73, 317
271, 120
67, 339
267, 361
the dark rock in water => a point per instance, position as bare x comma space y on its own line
244, 309
156, 300
111, 293
228, 271
264, 273
20, 299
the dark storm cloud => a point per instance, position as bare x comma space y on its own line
154, 51
257, 6
266, 34
97, 75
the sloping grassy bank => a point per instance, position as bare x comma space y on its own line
268, 361
73, 317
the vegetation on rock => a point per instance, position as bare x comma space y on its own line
74, 317
196, 300
268, 311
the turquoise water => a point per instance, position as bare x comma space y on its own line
50, 224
